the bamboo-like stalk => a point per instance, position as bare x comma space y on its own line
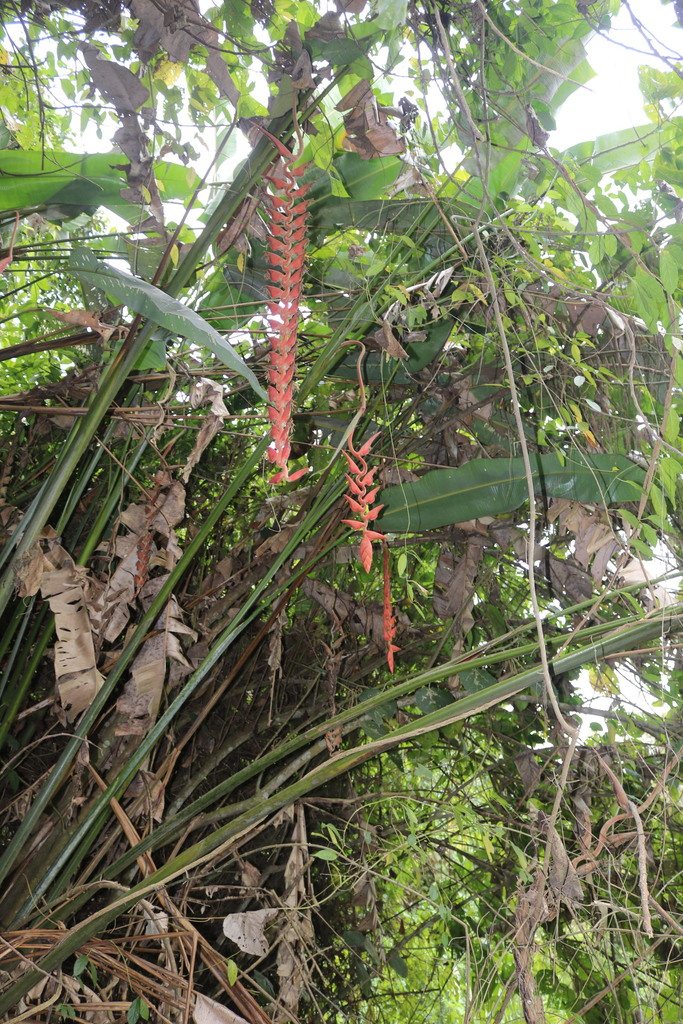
83, 430
79, 841
222, 839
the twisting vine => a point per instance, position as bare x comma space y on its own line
362, 497
286, 254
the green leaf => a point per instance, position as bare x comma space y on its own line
668, 271
649, 298
615, 150
231, 970
367, 179
391, 14
138, 1010
325, 855
398, 965
491, 487
474, 679
69, 183
429, 698
672, 427
161, 309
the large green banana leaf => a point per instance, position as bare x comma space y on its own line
69, 183
491, 487
161, 309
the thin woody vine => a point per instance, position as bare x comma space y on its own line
286, 260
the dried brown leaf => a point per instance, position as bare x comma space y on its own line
333, 740
75, 662
528, 769
388, 342
118, 85
208, 1011
368, 132
28, 572
83, 318
247, 930
204, 392
292, 957
326, 28
562, 875
302, 72
454, 581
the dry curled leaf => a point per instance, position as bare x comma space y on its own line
247, 930
208, 1011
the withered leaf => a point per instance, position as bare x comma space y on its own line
562, 876
78, 680
118, 85
388, 342
326, 28
368, 131
454, 581
177, 26
208, 1011
302, 72
83, 318
247, 930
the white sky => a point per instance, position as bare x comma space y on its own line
612, 101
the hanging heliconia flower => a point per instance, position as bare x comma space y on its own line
286, 253
361, 498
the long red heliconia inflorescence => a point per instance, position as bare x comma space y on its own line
286, 254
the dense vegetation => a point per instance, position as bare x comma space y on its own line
341, 544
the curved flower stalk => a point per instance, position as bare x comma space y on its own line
287, 249
388, 617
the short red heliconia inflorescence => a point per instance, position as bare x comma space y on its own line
362, 497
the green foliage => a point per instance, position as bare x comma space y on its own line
198, 719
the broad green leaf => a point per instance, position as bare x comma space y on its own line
367, 179
668, 271
474, 679
391, 14
326, 855
398, 964
672, 428
491, 487
649, 298
160, 308
616, 150
68, 183
429, 698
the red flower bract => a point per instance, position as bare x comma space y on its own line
287, 249
362, 499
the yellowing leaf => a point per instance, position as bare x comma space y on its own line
478, 293
168, 71
578, 416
